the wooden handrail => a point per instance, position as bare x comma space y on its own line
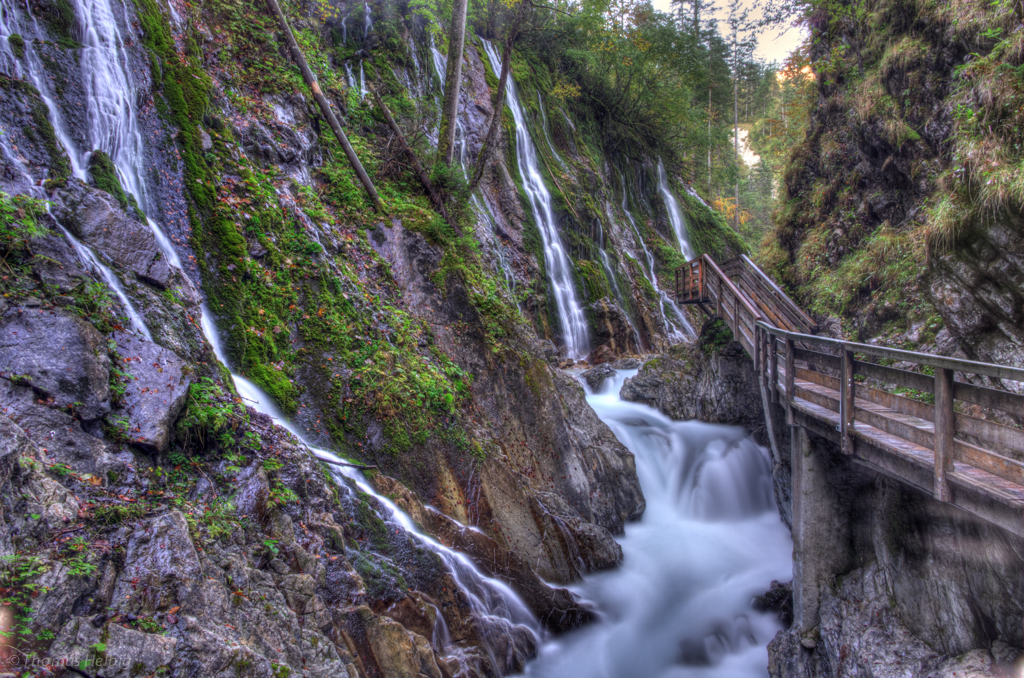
900, 355
779, 295
755, 314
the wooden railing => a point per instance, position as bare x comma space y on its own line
853, 394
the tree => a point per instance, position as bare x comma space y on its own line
742, 50
452, 82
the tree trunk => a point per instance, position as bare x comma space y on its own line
498, 103
417, 167
325, 107
452, 83
736, 142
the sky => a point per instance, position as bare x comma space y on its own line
772, 45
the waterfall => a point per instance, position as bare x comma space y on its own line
362, 82
348, 74
36, 73
367, 22
344, 30
675, 214
570, 314
91, 261
663, 298
710, 540
547, 135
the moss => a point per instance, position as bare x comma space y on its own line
715, 335
60, 166
595, 282
17, 44
104, 177
59, 17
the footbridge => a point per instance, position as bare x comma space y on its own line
942, 425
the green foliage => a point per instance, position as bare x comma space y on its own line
714, 336
59, 17
17, 44
104, 177
211, 416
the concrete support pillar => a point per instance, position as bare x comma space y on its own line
821, 530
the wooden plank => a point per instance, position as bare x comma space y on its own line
818, 359
944, 429
998, 465
781, 315
989, 431
891, 375
940, 362
991, 398
808, 323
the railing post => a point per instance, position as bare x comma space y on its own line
847, 402
944, 419
757, 350
721, 299
790, 379
700, 276
773, 362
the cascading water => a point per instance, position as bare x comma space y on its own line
367, 21
89, 258
675, 214
362, 82
547, 134
710, 540
675, 332
344, 30
348, 74
570, 314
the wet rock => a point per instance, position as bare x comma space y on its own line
778, 599
611, 326
554, 606
56, 262
592, 547
161, 567
719, 387
600, 355
627, 364
96, 218
127, 652
59, 355
59, 434
597, 375
154, 393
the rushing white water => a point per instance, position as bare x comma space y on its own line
362, 82
675, 214
344, 30
679, 329
570, 314
90, 259
349, 77
367, 21
710, 540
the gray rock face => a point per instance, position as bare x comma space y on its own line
593, 548
863, 634
127, 652
596, 376
611, 327
154, 393
67, 361
690, 384
97, 219
160, 562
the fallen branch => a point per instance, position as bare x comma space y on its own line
435, 197
346, 463
322, 102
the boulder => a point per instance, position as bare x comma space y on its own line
611, 326
556, 607
600, 355
96, 218
161, 567
59, 355
126, 652
592, 546
596, 376
155, 391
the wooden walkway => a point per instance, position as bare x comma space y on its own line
922, 419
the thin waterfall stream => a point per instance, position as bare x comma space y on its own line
710, 541
571, 318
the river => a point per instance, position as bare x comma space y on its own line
710, 540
